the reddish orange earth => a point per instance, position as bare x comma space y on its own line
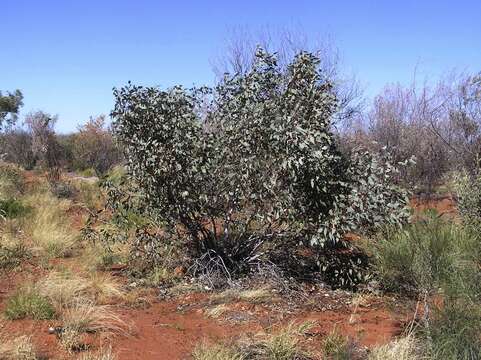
169, 330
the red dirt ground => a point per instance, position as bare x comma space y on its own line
445, 205
164, 331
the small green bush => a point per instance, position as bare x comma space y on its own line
337, 347
421, 257
12, 208
11, 256
27, 303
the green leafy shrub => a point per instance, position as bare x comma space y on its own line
27, 303
259, 167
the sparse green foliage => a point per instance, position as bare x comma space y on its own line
9, 106
337, 347
27, 303
11, 255
453, 333
12, 208
468, 189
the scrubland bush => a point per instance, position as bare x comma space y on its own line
16, 147
437, 124
468, 190
93, 147
261, 166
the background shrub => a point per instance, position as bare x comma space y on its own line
93, 147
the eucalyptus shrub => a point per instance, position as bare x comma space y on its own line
247, 165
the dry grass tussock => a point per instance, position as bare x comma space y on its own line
64, 289
217, 311
405, 348
97, 257
84, 316
104, 354
20, 348
49, 226
252, 296
205, 351
281, 345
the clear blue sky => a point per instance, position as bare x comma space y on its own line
66, 55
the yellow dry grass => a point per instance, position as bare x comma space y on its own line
63, 289
20, 348
48, 226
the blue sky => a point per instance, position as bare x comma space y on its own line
66, 55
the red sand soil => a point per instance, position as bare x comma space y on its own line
164, 331
445, 205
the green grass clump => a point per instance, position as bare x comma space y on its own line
337, 347
13, 208
422, 257
11, 255
454, 331
28, 303
89, 172
216, 352
437, 258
